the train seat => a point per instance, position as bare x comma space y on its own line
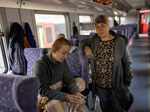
18, 93
31, 55
78, 64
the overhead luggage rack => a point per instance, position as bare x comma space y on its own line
76, 6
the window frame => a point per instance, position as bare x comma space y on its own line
4, 40
66, 16
91, 17
4, 56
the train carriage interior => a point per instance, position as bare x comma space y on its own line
41, 21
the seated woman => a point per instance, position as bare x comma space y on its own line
53, 73
76, 65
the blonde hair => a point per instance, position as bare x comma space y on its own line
61, 35
59, 43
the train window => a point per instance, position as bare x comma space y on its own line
3, 59
111, 21
117, 19
48, 27
2, 66
123, 20
3, 47
86, 25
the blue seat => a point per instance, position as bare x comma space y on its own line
82, 37
74, 42
78, 64
31, 55
126, 30
18, 93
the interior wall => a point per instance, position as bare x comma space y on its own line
73, 18
129, 20
0, 18
12, 15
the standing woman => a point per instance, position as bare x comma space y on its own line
111, 67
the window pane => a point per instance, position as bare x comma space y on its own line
117, 19
48, 27
85, 19
86, 26
111, 21
123, 20
2, 66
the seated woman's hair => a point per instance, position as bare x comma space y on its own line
59, 43
61, 35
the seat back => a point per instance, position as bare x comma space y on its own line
31, 55
18, 93
78, 64
127, 30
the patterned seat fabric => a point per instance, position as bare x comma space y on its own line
18, 93
127, 30
73, 42
82, 37
78, 64
31, 55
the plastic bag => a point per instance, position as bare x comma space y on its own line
97, 107
94, 103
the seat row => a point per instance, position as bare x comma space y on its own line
19, 93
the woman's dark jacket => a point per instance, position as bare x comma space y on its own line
49, 73
121, 68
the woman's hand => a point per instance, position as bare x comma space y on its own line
77, 98
80, 95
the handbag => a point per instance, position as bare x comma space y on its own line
124, 97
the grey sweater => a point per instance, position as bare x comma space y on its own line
49, 73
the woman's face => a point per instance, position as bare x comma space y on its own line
102, 29
88, 52
62, 53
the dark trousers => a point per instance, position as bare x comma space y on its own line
108, 100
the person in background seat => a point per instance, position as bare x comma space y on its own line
111, 73
53, 73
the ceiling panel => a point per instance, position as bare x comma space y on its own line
136, 3
77, 6
9, 3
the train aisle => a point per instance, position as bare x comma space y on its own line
140, 86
